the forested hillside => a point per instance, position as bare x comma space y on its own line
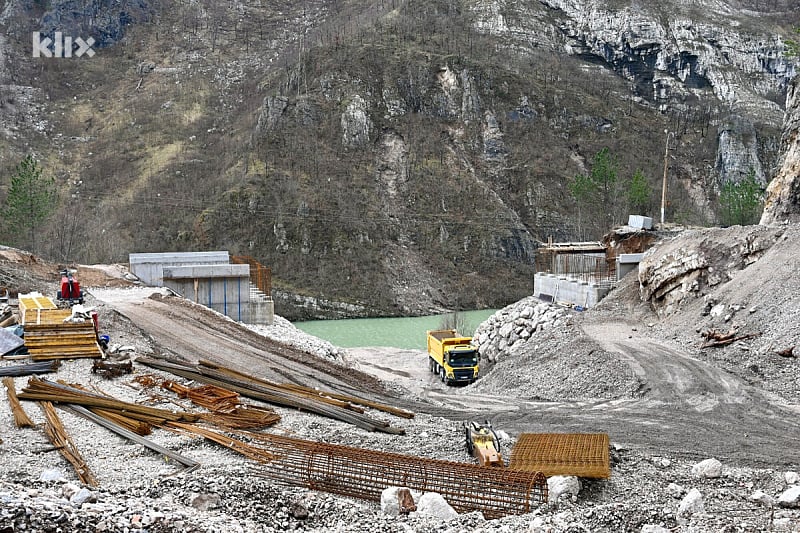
384, 157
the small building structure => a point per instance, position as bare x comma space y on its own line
214, 279
582, 273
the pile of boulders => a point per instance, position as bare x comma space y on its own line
516, 323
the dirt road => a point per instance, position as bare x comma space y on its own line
684, 407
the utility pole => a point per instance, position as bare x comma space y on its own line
664, 182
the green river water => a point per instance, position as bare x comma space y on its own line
392, 332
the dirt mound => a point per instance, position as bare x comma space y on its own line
22, 272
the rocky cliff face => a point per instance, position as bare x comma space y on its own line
676, 272
672, 58
783, 193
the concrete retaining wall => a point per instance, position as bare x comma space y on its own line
552, 288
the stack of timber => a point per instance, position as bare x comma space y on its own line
31, 304
48, 336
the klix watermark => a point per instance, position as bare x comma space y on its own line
62, 46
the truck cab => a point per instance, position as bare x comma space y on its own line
452, 357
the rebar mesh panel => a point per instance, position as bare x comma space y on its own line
562, 454
364, 474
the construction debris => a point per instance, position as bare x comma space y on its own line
269, 392
58, 436
31, 304
249, 417
361, 473
43, 390
9, 342
29, 369
227, 410
21, 418
208, 396
109, 369
562, 454
717, 338
185, 461
7, 316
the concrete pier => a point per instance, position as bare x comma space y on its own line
207, 278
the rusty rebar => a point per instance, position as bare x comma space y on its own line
566, 454
58, 436
21, 418
364, 474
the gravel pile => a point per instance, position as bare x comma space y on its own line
536, 350
281, 330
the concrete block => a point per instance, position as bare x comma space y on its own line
148, 267
206, 271
639, 221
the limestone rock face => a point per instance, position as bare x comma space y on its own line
783, 193
356, 123
737, 151
675, 271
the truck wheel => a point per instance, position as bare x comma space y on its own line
442, 375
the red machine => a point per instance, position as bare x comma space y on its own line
70, 289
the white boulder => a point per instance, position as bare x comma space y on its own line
710, 468
53, 474
691, 504
762, 497
652, 528
434, 504
791, 478
391, 498
790, 497
675, 490
558, 486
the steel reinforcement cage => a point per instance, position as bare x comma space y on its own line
364, 474
260, 275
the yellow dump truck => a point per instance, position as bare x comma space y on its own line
453, 358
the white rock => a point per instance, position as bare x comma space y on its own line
792, 478
82, 496
558, 486
69, 490
783, 524
390, 503
675, 490
762, 497
691, 504
53, 474
790, 497
717, 310
434, 504
710, 468
651, 528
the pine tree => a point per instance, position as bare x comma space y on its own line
31, 200
639, 193
740, 203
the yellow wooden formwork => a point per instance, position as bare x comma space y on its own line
33, 302
47, 336
562, 454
